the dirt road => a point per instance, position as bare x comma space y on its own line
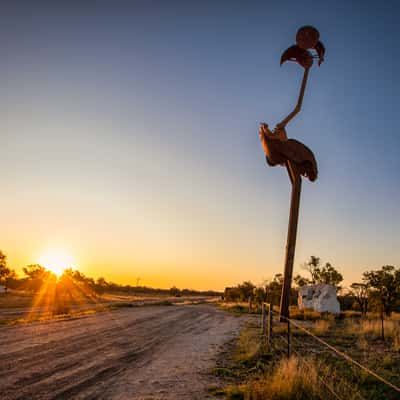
161, 352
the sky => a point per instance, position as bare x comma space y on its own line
130, 148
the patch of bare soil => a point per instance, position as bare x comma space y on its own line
133, 353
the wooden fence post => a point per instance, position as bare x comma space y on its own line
263, 320
269, 324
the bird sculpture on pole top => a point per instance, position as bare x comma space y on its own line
298, 159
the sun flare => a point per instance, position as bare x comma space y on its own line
56, 262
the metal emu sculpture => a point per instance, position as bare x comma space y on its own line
298, 159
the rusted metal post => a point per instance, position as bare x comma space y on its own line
295, 178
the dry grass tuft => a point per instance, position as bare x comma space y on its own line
396, 341
371, 328
321, 327
249, 345
395, 316
296, 313
351, 314
289, 381
362, 343
292, 381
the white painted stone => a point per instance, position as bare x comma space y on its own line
321, 298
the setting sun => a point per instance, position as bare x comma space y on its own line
56, 261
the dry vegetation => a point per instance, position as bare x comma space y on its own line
264, 374
255, 371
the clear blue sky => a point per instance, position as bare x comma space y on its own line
129, 137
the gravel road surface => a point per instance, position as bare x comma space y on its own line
153, 352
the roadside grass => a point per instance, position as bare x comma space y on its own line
239, 308
289, 380
371, 329
245, 357
255, 372
304, 314
360, 339
321, 327
243, 308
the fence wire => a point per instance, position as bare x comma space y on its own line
309, 367
339, 353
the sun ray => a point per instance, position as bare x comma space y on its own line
44, 298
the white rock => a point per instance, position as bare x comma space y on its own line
321, 297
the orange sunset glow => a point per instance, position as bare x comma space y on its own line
199, 200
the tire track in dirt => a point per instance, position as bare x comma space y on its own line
103, 368
89, 348
113, 362
147, 350
54, 349
5, 344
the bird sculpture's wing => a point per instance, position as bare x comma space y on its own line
299, 55
300, 154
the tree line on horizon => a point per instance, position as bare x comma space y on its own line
379, 290
36, 276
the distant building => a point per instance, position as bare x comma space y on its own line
321, 298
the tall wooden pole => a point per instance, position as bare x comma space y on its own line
295, 178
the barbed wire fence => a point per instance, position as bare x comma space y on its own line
292, 344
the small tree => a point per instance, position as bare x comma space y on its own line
101, 285
174, 291
274, 289
232, 294
259, 295
300, 280
329, 275
319, 274
6, 274
385, 289
37, 275
246, 290
313, 267
360, 292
